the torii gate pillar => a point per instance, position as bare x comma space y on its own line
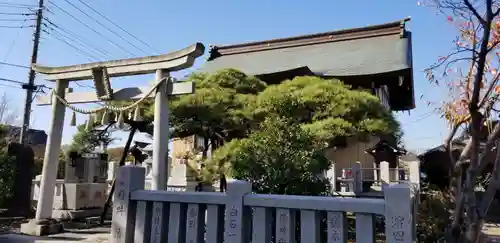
160, 135
51, 157
161, 64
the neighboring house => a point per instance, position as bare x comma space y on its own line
435, 162
376, 58
37, 139
34, 136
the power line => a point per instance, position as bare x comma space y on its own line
81, 22
78, 37
10, 86
18, 4
37, 88
11, 47
11, 81
82, 39
89, 51
92, 58
109, 20
83, 85
14, 65
14, 20
72, 40
76, 42
16, 27
13, 6
422, 117
16, 14
110, 30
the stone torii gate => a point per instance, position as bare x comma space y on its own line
100, 72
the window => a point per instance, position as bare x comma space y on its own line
199, 142
383, 94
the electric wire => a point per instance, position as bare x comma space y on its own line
13, 6
10, 48
86, 51
118, 26
14, 65
110, 30
76, 41
14, 20
17, 4
11, 81
74, 38
86, 25
17, 14
422, 117
16, 27
87, 55
83, 85
80, 38
37, 87
10, 86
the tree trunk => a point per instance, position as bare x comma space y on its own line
205, 146
223, 183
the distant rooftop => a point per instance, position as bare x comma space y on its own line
34, 136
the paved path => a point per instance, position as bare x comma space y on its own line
491, 227
492, 231
94, 235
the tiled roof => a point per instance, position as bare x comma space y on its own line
361, 51
382, 51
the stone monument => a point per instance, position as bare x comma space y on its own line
82, 193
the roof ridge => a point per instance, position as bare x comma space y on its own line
218, 50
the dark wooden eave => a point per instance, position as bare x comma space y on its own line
382, 145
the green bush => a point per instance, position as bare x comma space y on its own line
6, 176
280, 158
6, 169
434, 214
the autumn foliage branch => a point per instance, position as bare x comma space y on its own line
470, 73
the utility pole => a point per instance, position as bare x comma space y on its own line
31, 76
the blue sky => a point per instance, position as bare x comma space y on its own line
172, 25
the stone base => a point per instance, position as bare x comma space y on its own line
78, 214
42, 228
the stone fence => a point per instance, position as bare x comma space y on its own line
239, 215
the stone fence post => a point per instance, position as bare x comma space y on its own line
414, 173
399, 213
385, 174
128, 179
238, 217
330, 175
357, 176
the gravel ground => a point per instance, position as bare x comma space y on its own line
10, 232
11, 224
65, 237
